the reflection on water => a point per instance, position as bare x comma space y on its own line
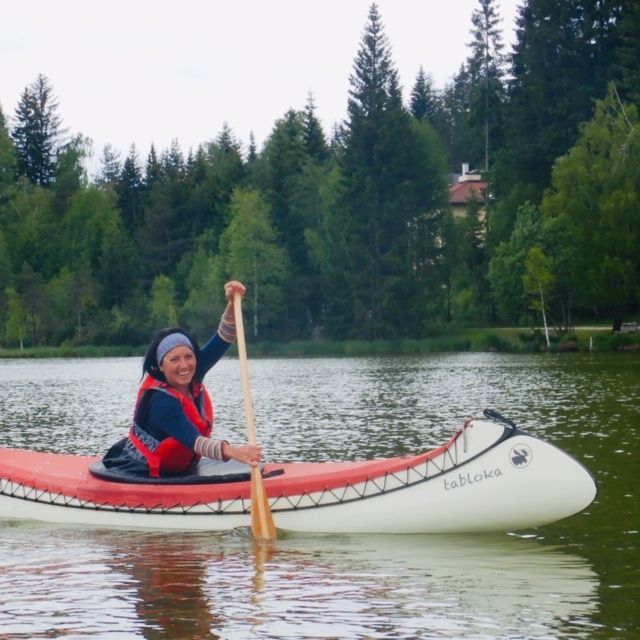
159, 585
579, 578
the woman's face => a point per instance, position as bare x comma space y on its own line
179, 367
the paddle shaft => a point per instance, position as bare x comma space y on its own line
262, 525
244, 368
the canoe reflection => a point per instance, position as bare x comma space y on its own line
199, 586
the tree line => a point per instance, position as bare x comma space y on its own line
349, 233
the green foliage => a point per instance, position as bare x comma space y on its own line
507, 269
616, 342
249, 253
205, 302
538, 277
596, 191
71, 294
563, 58
70, 174
16, 325
89, 224
162, 306
350, 238
28, 220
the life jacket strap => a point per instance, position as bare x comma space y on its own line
152, 459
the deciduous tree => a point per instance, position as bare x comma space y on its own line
249, 253
596, 188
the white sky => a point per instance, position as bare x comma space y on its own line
151, 71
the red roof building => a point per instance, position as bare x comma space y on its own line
467, 187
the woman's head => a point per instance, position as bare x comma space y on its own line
163, 342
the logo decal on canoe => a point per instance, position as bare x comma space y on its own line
467, 479
520, 456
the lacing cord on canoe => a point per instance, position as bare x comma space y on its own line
368, 487
428, 469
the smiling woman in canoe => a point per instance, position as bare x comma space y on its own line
173, 417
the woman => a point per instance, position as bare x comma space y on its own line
173, 417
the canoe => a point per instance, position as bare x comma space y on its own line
489, 476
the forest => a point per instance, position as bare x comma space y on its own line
349, 234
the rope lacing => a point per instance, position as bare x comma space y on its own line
367, 488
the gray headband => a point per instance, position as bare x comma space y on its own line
169, 342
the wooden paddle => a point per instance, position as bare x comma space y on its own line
262, 525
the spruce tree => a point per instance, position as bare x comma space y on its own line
315, 142
7, 157
486, 70
129, 188
38, 132
110, 168
453, 121
627, 62
225, 170
389, 194
562, 60
152, 170
252, 152
423, 103
284, 158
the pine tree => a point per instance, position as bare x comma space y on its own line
37, 133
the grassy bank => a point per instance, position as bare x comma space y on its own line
463, 340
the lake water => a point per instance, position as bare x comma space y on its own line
575, 579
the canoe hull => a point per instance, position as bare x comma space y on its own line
488, 477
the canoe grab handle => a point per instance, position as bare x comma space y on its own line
494, 415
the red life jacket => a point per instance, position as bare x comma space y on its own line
170, 456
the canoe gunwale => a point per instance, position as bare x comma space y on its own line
368, 479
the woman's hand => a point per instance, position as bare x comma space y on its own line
233, 287
250, 454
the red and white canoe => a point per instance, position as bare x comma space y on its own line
489, 476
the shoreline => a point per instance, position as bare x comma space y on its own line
499, 340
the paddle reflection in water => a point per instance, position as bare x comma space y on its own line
167, 585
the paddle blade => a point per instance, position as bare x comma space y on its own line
261, 518
262, 525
